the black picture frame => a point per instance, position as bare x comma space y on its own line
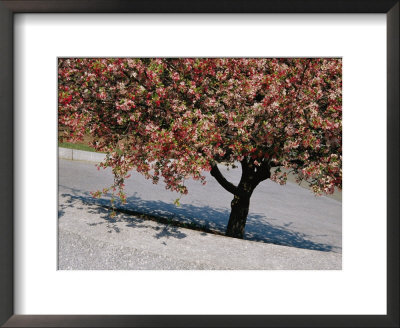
8, 202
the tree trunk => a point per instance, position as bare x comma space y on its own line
237, 219
252, 175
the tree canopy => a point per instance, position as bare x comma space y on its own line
174, 118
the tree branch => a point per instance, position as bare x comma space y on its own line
275, 164
228, 186
263, 171
292, 161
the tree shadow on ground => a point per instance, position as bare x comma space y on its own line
95, 206
258, 227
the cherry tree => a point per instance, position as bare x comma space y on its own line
172, 119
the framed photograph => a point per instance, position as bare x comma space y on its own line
247, 97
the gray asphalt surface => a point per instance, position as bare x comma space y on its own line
283, 215
89, 239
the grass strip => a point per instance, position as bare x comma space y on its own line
77, 147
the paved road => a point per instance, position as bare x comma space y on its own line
283, 215
89, 239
